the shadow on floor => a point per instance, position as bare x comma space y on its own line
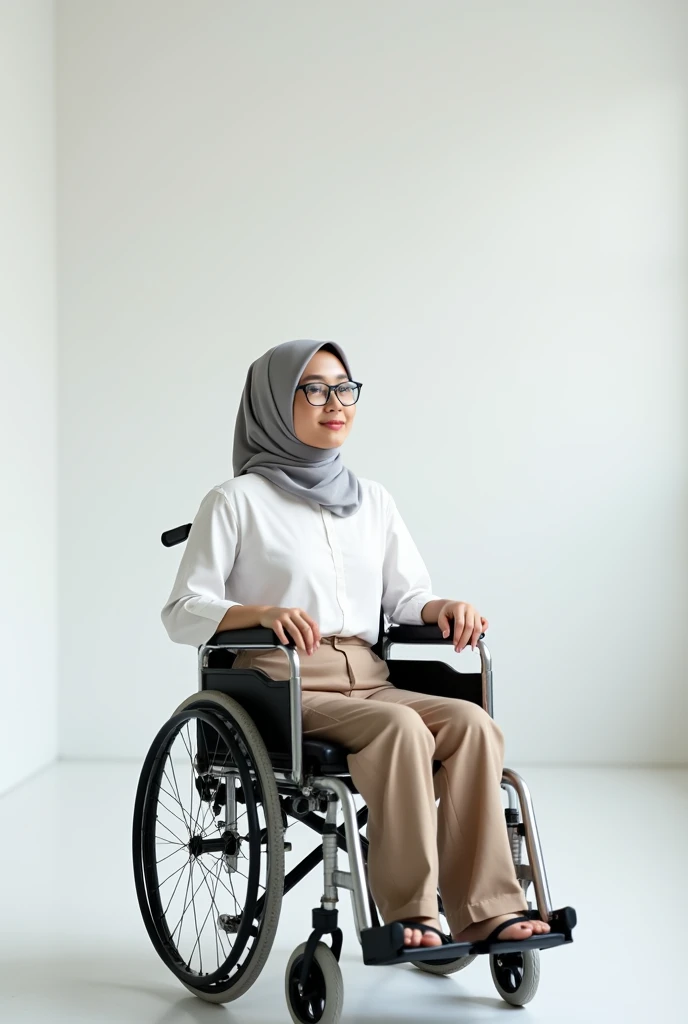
113, 984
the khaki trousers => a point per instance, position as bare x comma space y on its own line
394, 736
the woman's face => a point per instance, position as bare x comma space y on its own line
311, 421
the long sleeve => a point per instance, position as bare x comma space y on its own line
406, 586
197, 602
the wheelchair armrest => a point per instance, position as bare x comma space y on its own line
427, 634
257, 637
262, 639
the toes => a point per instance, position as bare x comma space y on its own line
415, 937
412, 936
540, 927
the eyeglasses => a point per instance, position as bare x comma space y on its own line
348, 392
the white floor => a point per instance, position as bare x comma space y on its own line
73, 947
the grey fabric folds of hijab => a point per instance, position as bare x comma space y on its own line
264, 438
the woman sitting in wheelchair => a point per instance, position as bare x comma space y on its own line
298, 544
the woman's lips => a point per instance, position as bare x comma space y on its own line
333, 425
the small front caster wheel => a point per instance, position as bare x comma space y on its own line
322, 997
516, 975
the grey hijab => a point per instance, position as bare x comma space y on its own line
264, 438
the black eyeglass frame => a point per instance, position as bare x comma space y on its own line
330, 389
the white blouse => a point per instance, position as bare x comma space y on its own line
253, 543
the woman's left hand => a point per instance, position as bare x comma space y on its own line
468, 623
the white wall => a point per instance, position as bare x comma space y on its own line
485, 203
28, 421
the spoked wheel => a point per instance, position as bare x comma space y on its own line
516, 975
208, 845
322, 997
444, 966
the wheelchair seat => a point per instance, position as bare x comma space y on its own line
324, 757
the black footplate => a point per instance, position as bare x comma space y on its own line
385, 945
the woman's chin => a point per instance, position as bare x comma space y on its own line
328, 442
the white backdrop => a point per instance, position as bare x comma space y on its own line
485, 204
28, 416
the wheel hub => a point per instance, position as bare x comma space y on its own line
309, 1000
228, 845
232, 844
510, 971
196, 845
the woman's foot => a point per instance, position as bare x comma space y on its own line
416, 937
481, 929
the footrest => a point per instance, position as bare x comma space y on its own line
564, 921
561, 923
385, 945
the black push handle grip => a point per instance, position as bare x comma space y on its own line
176, 536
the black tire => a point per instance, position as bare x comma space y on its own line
205, 722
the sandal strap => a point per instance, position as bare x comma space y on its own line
506, 924
446, 939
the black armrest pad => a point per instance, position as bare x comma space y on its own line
258, 637
429, 634
261, 637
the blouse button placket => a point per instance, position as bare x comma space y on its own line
338, 562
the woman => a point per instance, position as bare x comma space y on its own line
296, 543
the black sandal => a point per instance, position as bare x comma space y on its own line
483, 945
446, 939
492, 937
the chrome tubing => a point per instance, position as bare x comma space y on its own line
330, 872
535, 858
295, 711
355, 878
485, 670
511, 794
486, 673
231, 862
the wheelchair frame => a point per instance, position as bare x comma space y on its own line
305, 794
308, 786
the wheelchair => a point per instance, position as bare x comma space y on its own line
220, 785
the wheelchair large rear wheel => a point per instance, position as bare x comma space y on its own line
208, 846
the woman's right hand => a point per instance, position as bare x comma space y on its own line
292, 624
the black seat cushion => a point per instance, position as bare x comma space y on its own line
325, 757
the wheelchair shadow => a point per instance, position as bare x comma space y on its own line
73, 984
116, 984
435, 999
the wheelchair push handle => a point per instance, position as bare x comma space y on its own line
176, 536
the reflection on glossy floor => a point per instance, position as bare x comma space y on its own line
73, 947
